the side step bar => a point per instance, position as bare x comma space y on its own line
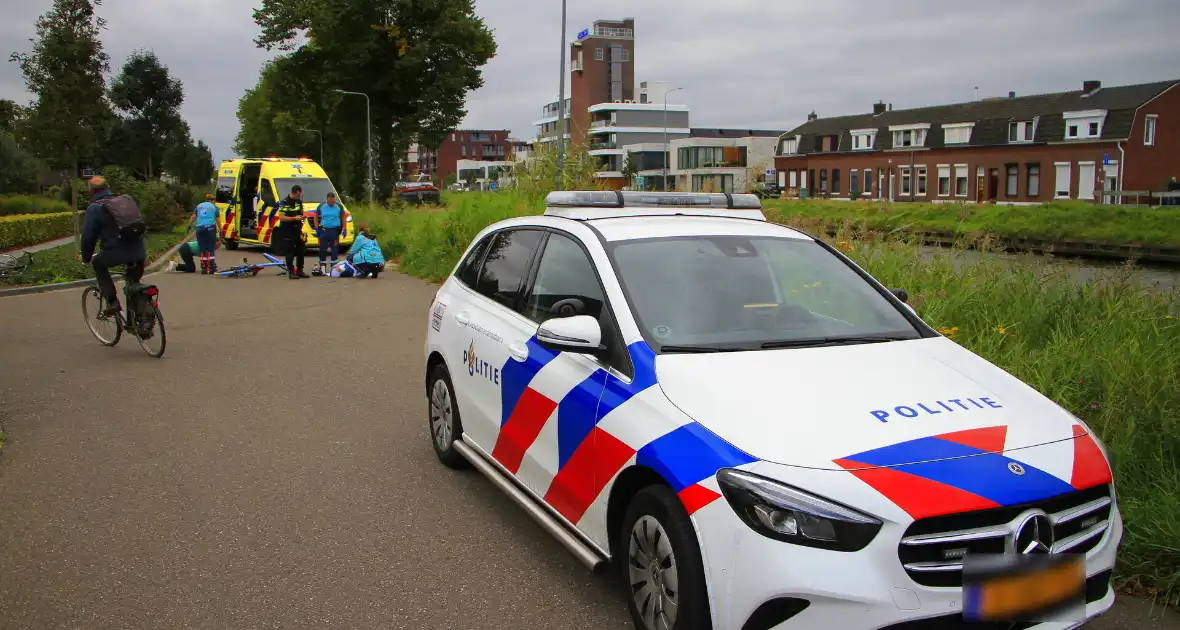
583, 552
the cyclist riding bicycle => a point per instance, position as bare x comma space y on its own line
99, 227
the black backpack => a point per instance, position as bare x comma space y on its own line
128, 219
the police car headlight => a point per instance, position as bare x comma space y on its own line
785, 513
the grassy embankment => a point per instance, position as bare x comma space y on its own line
60, 264
1057, 220
1106, 350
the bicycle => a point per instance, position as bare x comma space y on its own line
144, 319
12, 266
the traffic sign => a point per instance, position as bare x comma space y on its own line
1106, 159
492, 185
584, 34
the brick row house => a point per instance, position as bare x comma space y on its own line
482, 145
1068, 145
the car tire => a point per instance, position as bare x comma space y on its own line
442, 418
673, 574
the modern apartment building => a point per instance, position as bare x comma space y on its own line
1067, 145
722, 160
485, 145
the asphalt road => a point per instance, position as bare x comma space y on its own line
272, 470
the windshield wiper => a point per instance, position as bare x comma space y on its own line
829, 341
689, 349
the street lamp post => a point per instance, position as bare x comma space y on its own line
321, 135
666, 135
369, 136
561, 105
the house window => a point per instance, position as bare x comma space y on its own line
828, 143
868, 181
853, 183
906, 184
793, 178
1073, 131
1013, 180
790, 145
625, 55
823, 180
921, 180
463, 150
944, 180
1093, 130
863, 139
1034, 180
1021, 131
1149, 130
960, 180
810, 178
836, 181
909, 138
1061, 186
956, 134
597, 54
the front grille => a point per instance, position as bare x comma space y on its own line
1096, 588
933, 549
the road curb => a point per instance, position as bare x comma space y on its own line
46, 288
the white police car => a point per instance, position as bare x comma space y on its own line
753, 431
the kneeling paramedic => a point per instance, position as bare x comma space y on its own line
365, 253
116, 224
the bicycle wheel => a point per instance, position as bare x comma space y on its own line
107, 330
156, 339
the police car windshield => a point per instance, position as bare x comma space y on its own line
750, 293
315, 189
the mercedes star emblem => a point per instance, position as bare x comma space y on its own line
1016, 469
1035, 534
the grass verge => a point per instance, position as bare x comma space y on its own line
60, 264
1107, 350
1051, 221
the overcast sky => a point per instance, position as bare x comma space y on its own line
744, 63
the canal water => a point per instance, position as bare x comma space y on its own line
1160, 277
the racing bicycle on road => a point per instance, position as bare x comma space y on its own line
143, 320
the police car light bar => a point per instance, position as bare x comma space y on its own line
594, 204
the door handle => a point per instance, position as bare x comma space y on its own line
519, 351
463, 318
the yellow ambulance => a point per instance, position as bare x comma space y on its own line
249, 191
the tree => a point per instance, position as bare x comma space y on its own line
67, 72
18, 169
148, 98
630, 167
10, 115
415, 59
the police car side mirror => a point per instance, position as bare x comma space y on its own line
580, 334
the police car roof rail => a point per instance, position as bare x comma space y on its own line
600, 204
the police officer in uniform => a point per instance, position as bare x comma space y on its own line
289, 239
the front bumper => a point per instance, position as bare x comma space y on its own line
866, 590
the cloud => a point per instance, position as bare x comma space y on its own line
743, 63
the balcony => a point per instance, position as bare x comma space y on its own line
603, 145
602, 123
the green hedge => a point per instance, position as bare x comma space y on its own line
30, 204
31, 229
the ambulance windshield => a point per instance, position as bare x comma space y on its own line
315, 189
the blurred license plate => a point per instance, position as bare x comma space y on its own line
1025, 590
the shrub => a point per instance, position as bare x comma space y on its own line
30, 229
30, 204
161, 213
